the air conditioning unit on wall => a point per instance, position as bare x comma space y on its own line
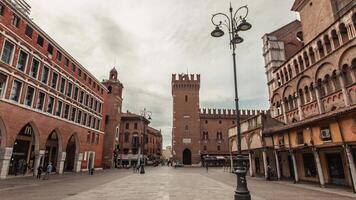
325, 134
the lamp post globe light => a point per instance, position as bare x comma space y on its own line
235, 23
145, 115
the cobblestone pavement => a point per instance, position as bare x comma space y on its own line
161, 183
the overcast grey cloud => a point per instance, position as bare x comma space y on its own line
148, 40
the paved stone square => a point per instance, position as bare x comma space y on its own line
161, 183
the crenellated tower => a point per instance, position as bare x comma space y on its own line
186, 119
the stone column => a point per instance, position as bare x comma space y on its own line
318, 100
60, 162
5, 157
277, 165
38, 160
296, 177
343, 88
252, 165
264, 155
300, 111
351, 166
78, 162
284, 111
318, 167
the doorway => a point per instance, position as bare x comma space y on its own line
187, 157
335, 168
70, 154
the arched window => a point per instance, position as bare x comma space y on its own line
346, 72
327, 44
335, 81
312, 55
306, 59
307, 94
321, 88
343, 32
301, 63
290, 71
321, 49
335, 39
296, 66
327, 83
301, 96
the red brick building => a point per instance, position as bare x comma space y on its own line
199, 132
51, 107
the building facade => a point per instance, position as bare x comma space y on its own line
196, 132
310, 68
51, 107
136, 135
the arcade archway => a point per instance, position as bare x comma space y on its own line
23, 155
52, 150
187, 157
70, 154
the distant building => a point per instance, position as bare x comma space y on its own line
135, 135
196, 132
167, 153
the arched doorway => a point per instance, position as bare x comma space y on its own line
23, 155
51, 154
70, 154
187, 157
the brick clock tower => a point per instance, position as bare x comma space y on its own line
112, 106
186, 120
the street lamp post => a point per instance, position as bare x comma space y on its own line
235, 23
144, 114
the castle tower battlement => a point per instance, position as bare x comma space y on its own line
228, 113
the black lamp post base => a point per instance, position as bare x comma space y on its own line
242, 196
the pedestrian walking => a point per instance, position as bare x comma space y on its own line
91, 171
269, 172
39, 172
207, 167
49, 170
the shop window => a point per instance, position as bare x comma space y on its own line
15, 20
44, 77
7, 52
40, 41
22, 61
29, 31
29, 96
16, 90
34, 68
325, 133
309, 165
40, 101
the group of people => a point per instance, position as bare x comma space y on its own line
47, 171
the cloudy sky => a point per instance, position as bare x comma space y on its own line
148, 40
